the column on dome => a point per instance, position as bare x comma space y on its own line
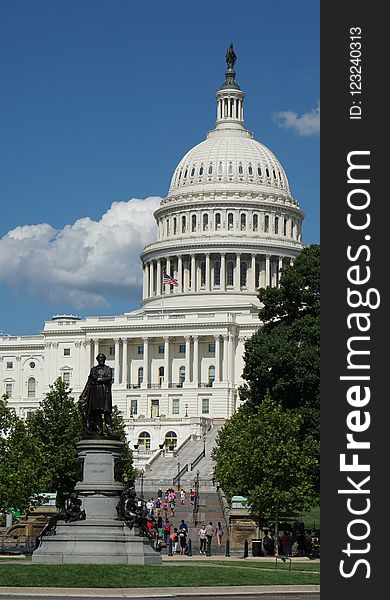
148, 294
186, 275
217, 358
158, 277
193, 273
237, 273
151, 278
252, 285
180, 273
195, 361
124, 361
198, 273
188, 357
223, 272
231, 358
117, 362
291, 261
144, 281
280, 267
146, 362
225, 358
167, 378
267, 270
208, 273
168, 272
274, 272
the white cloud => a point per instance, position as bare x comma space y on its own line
306, 124
83, 263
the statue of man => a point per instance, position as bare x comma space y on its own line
231, 57
96, 399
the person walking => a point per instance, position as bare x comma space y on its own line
202, 539
210, 532
183, 540
175, 539
183, 525
172, 506
182, 496
192, 496
167, 531
219, 533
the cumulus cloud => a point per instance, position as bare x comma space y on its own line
83, 263
305, 124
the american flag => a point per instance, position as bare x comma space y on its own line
170, 280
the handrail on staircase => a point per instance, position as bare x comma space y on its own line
180, 473
198, 458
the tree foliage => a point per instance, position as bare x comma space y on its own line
283, 356
119, 428
261, 455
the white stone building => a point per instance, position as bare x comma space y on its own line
227, 227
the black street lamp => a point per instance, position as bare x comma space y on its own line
142, 483
178, 476
186, 406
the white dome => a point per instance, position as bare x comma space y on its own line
229, 157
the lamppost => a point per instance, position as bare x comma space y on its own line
196, 503
142, 484
178, 476
186, 407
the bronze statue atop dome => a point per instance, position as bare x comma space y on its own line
231, 57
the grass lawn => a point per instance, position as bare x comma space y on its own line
130, 576
303, 567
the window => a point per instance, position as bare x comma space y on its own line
66, 351
230, 221
29, 413
183, 224
267, 172
174, 225
144, 441
112, 350
31, 387
140, 349
205, 222
284, 226
292, 227
217, 273
229, 272
112, 375
220, 168
243, 221
175, 406
212, 348
243, 274
259, 170
240, 169
274, 174
230, 168
160, 375
185, 173
161, 349
10, 365
182, 375
250, 169
276, 224
133, 407
182, 348
193, 223
66, 376
140, 375
255, 222
266, 223
9, 389
257, 275
205, 406
217, 220
203, 273
192, 171
32, 365
201, 170
211, 374
170, 440
210, 171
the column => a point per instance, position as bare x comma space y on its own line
95, 350
267, 270
217, 358
180, 273
291, 261
144, 282
274, 273
151, 278
237, 272
195, 363
223, 272
188, 356
168, 272
208, 273
146, 362
158, 277
147, 280
253, 274
231, 359
193, 273
116, 363
77, 381
87, 355
125, 367
167, 379
280, 267
225, 358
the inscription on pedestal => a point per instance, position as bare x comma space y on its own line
98, 469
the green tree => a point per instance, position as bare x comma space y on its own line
261, 455
56, 427
283, 356
20, 461
119, 428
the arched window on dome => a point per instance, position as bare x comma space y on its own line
292, 228
276, 225
217, 221
192, 171
217, 273
174, 226
211, 374
201, 170
243, 274
205, 221
186, 173
210, 169
230, 220
182, 375
240, 169
257, 275
267, 172
284, 226
250, 170
274, 174
230, 168
259, 172
203, 273
180, 172
266, 223
160, 376
193, 223
255, 222
220, 168
183, 224
229, 273
167, 227
144, 441
280, 176
31, 387
243, 221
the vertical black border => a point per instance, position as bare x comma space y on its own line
339, 136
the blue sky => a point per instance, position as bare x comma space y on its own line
99, 101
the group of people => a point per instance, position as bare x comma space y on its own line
300, 543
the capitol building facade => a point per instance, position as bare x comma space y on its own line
227, 227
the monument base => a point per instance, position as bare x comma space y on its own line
101, 538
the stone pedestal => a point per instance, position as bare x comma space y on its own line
101, 538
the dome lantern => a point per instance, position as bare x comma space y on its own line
230, 98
